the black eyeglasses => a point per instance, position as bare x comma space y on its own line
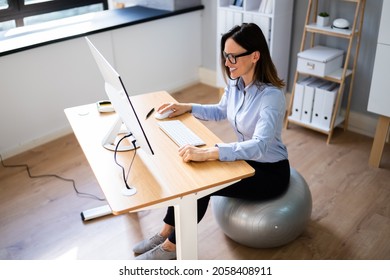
233, 58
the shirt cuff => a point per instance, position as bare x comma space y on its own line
225, 152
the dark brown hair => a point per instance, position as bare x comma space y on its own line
251, 38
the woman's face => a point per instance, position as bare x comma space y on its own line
244, 66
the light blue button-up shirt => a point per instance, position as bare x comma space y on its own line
256, 114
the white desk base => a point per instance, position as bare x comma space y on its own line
96, 213
186, 220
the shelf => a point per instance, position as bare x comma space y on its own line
235, 8
328, 30
241, 10
325, 130
336, 76
260, 14
254, 7
310, 31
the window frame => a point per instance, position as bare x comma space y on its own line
17, 10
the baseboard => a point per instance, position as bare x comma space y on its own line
24, 147
208, 77
182, 86
362, 124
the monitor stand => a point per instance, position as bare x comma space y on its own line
108, 141
146, 159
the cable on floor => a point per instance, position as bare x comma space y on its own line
87, 195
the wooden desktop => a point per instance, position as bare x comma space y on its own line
166, 180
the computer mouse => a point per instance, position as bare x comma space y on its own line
163, 115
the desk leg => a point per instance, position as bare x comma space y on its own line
186, 228
379, 141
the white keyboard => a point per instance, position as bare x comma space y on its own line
180, 133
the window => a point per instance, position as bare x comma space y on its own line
15, 13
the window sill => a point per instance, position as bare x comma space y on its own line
23, 38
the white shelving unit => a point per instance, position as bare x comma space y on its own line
340, 76
274, 18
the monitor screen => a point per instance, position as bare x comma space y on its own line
120, 99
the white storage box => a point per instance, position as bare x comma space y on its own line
320, 60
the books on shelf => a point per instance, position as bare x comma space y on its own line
266, 6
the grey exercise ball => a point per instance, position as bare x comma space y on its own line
266, 224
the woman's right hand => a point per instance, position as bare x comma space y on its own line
177, 108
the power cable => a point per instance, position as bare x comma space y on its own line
87, 195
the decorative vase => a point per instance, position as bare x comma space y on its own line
322, 21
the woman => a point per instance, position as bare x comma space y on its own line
254, 104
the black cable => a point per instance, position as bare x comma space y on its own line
132, 160
50, 175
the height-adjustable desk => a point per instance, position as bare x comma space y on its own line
165, 180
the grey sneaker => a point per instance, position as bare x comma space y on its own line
157, 253
148, 244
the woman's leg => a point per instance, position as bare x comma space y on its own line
169, 219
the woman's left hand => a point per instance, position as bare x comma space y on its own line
191, 153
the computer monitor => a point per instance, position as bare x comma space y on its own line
121, 102
123, 106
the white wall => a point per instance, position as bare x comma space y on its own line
36, 85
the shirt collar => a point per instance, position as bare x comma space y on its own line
241, 86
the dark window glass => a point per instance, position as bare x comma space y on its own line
15, 13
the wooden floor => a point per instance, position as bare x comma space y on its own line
40, 218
